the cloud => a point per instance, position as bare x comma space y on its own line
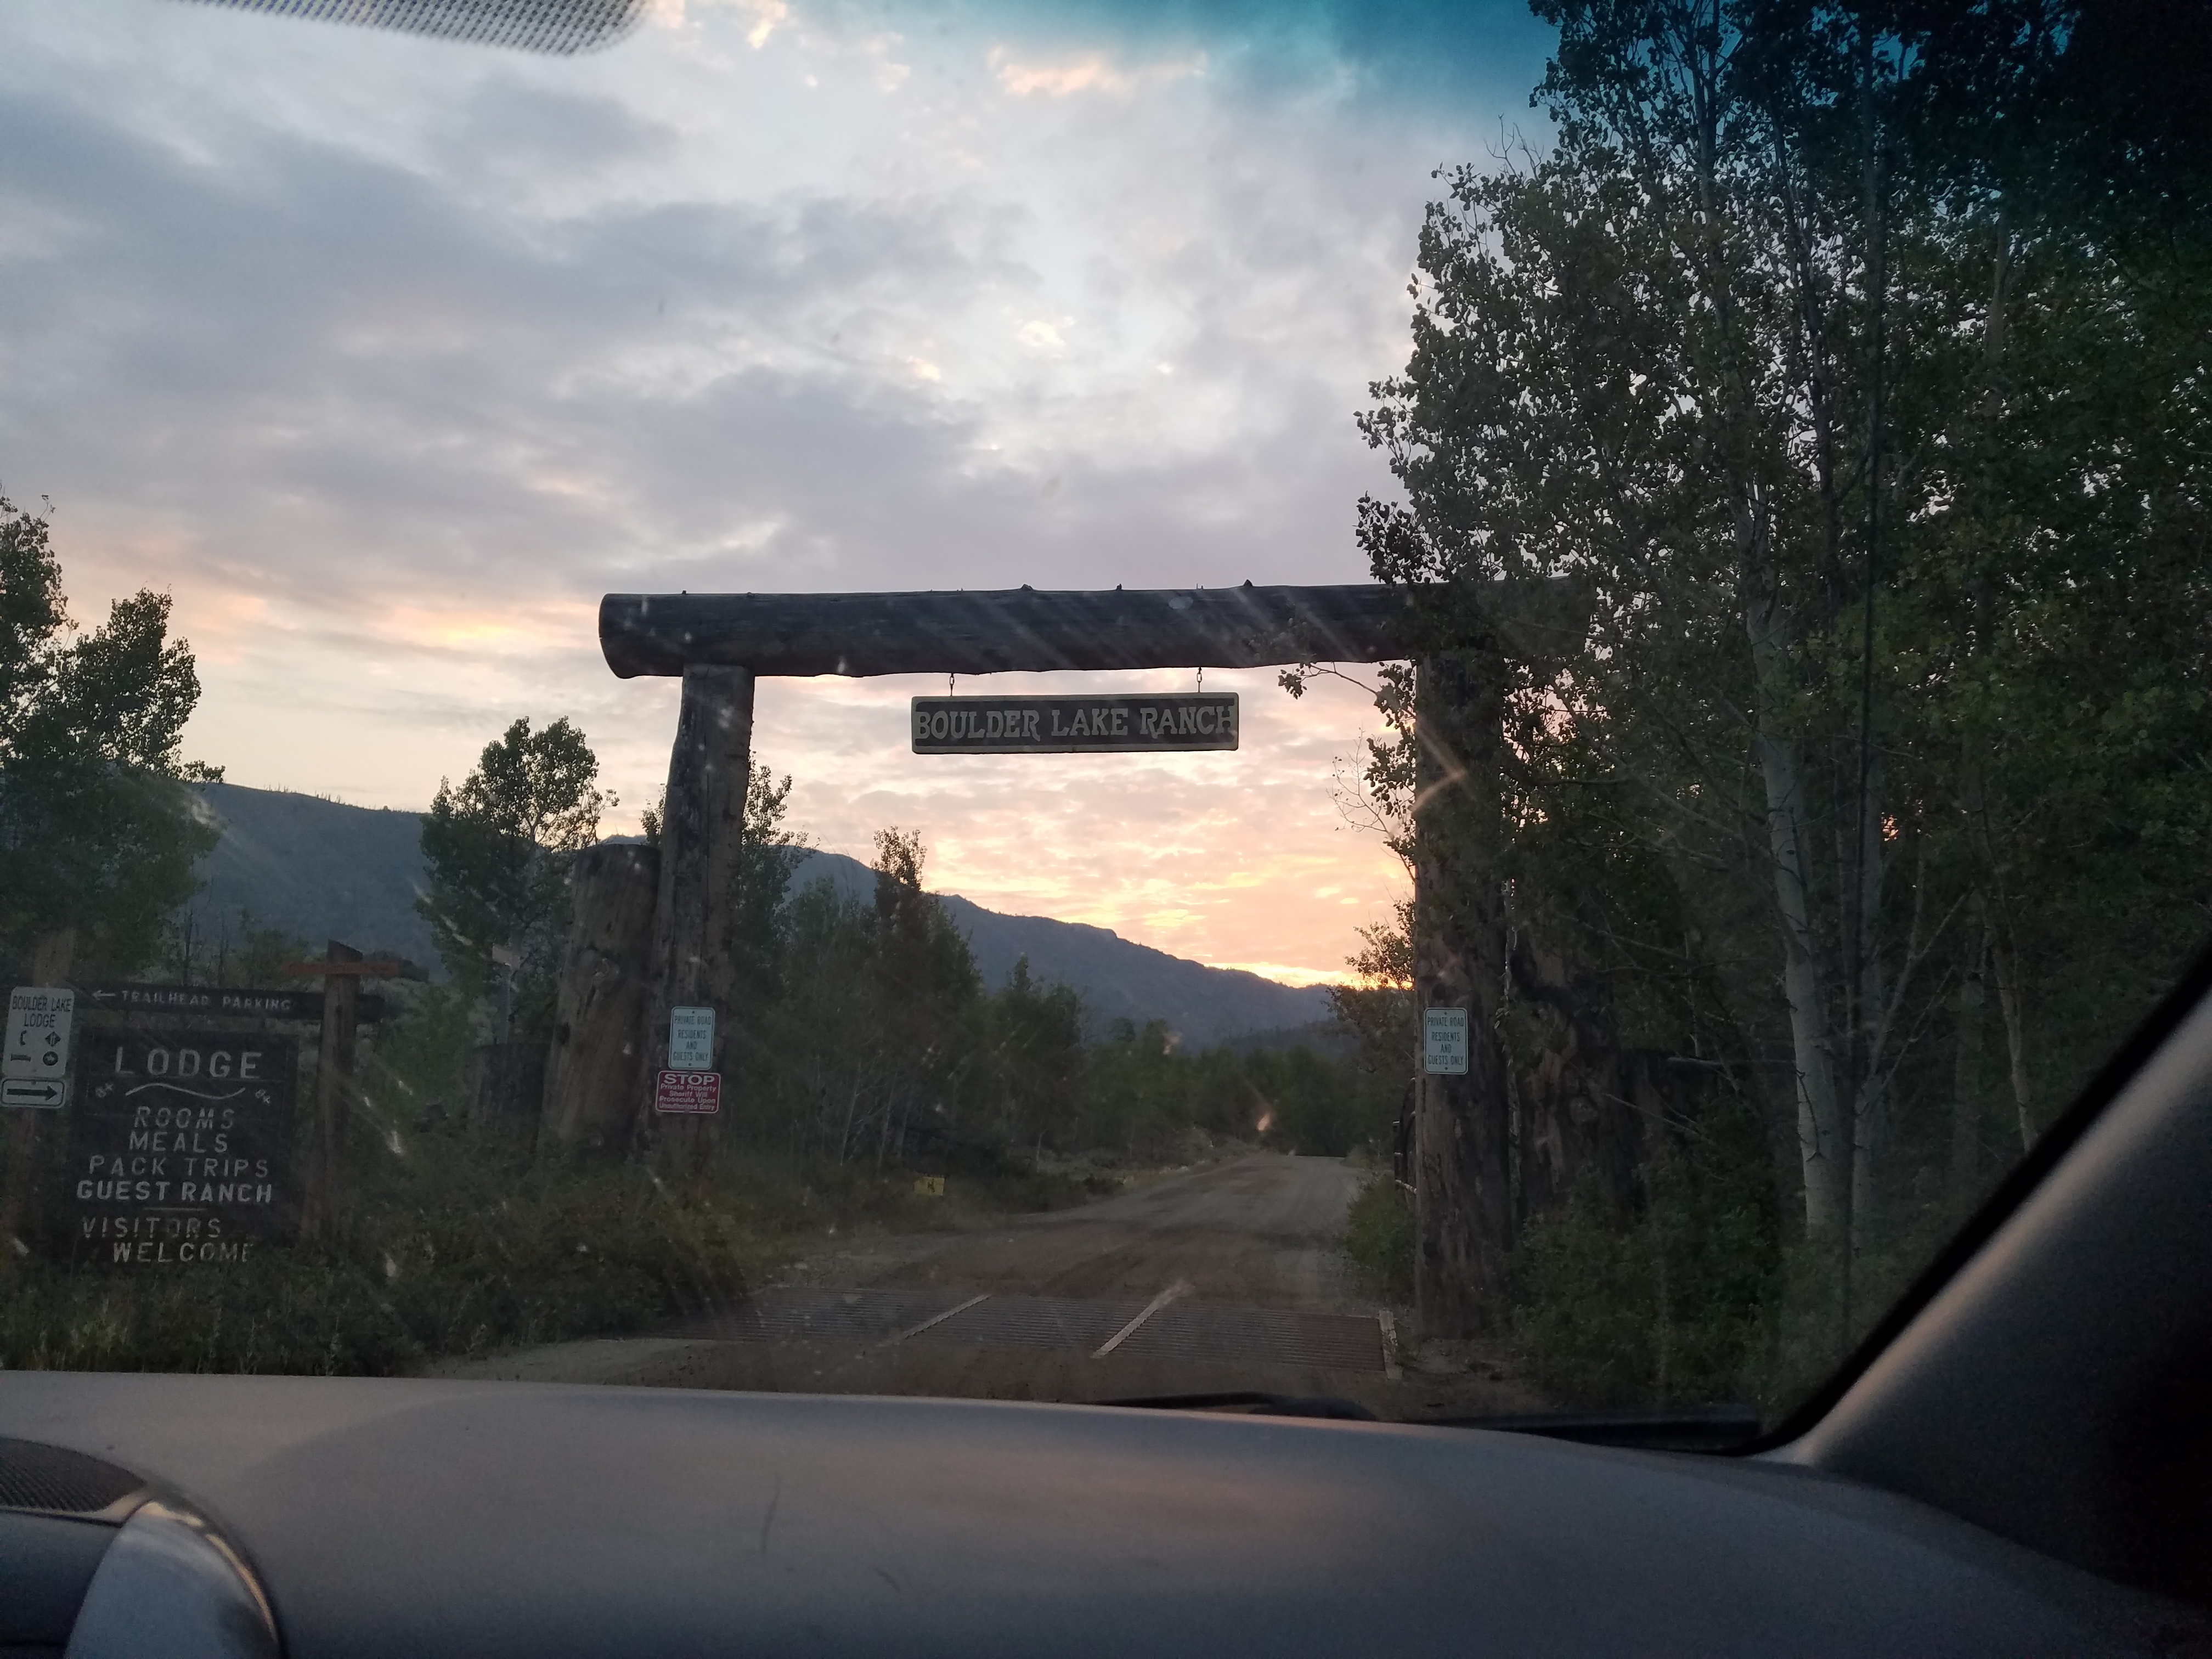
388, 358
1093, 71
766, 17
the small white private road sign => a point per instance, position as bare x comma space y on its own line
1443, 1041
691, 1039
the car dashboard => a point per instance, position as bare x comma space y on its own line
369, 1517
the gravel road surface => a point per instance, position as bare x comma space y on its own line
1231, 1272
1259, 1230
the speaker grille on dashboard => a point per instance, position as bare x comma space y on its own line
59, 1482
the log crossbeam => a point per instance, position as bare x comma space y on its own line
1006, 631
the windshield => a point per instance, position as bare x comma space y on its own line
1467, 711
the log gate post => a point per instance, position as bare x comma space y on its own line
1463, 1203
597, 1069
703, 825
318, 1207
20, 1208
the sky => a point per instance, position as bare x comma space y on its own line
387, 357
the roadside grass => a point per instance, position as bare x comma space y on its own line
454, 1244
1668, 1306
1378, 1239
456, 1256
455, 1247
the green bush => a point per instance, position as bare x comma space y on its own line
1667, 1306
1378, 1239
458, 1257
455, 1245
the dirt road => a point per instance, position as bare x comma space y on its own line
1224, 1278
1260, 1232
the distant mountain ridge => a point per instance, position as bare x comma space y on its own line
317, 868
1119, 978
324, 870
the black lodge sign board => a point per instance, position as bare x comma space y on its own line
179, 1145
1149, 721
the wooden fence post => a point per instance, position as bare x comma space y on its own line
1463, 1196
21, 1210
702, 832
318, 1209
596, 1069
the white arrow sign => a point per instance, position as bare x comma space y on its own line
38, 1034
44, 1093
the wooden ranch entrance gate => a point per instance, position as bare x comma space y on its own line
720, 644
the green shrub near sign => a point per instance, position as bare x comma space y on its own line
460, 1255
1378, 1239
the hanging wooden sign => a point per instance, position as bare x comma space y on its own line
1148, 721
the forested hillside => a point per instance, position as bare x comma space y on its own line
319, 869
1119, 979
313, 868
